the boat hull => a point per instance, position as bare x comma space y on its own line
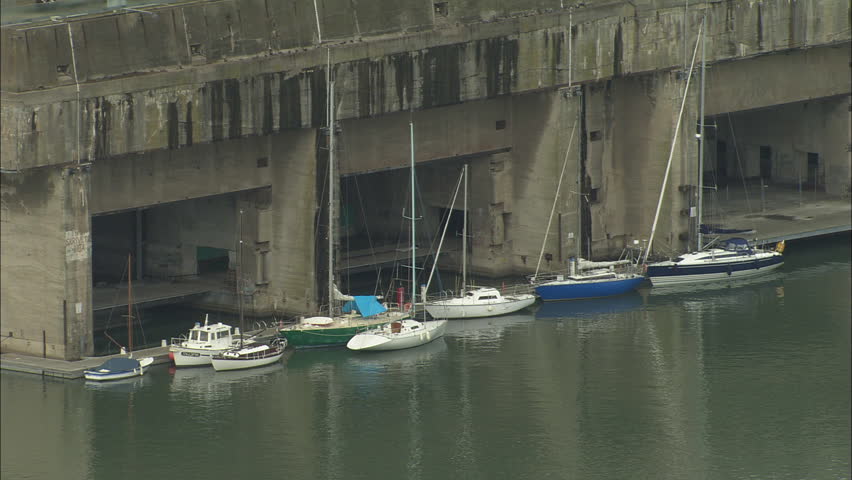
335, 334
458, 308
103, 376
574, 290
222, 364
714, 272
193, 357
370, 341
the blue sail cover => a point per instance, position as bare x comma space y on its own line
120, 364
736, 243
366, 305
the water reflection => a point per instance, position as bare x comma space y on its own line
123, 386
203, 384
590, 307
485, 328
398, 360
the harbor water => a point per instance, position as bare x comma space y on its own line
747, 380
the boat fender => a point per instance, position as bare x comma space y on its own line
730, 270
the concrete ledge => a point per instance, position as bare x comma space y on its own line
50, 367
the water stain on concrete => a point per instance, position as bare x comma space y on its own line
27, 190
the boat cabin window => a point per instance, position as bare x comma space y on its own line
488, 297
193, 335
202, 336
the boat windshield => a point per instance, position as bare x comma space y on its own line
678, 259
203, 336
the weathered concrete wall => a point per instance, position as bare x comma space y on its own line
266, 86
159, 177
46, 274
766, 81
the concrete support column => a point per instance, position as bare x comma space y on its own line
542, 152
838, 153
46, 279
293, 208
78, 264
642, 124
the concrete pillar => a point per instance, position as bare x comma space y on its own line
542, 126
78, 264
46, 279
838, 147
641, 126
294, 202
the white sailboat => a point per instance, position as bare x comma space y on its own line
117, 368
735, 258
475, 302
247, 354
404, 333
398, 335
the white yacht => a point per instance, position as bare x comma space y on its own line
479, 302
202, 343
736, 259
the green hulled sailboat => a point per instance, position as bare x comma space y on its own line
358, 313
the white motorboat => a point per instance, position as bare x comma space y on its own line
250, 355
202, 343
118, 368
398, 335
479, 302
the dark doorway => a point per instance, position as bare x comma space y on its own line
114, 237
765, 162
813, 169
456, 226
211, 259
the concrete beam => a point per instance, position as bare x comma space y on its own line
252, 85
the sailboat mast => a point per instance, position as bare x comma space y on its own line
671, 152
699, 236
129, 304
413, 241
331, 201
464, 236
239, 274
